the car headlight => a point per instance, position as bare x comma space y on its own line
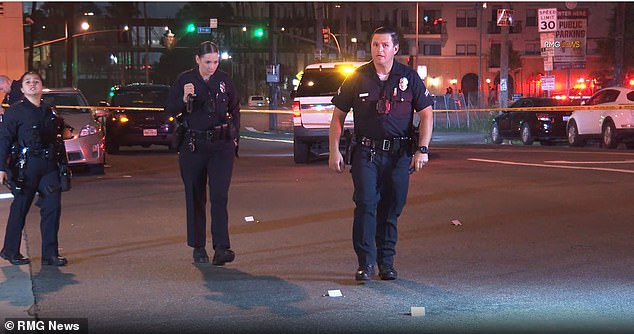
87, 130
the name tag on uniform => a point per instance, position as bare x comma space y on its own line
364, 94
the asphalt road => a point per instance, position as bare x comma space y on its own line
546, 244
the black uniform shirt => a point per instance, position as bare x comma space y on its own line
27, 124
212, 101
362, 90
15, 94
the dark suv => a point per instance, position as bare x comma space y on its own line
136, 125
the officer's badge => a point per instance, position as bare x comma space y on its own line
222, 86
402, 84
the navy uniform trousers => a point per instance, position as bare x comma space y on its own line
211, 164
41, 176
380, 192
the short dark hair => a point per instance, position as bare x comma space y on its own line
387, 31
207, 47
33, 73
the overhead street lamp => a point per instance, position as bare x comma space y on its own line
76, 35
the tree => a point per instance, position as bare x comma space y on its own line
606, 47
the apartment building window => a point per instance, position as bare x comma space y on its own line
466, 49
531, 17
532, 49
466, 18
404, 19
431, 49
432, 22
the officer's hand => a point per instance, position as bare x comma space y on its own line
187, 90
3, 177
419, 161
335, 161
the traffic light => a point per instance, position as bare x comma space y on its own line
326, 34
258, 32
191, 27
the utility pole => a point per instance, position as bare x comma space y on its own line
70, 9
504, 68
619, 44
147, 44
273, 61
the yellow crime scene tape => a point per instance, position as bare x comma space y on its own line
290, 112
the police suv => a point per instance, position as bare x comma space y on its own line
312, 107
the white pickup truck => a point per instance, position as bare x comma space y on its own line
312, 107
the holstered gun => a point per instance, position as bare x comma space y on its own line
180, 126
17, 169
350, 143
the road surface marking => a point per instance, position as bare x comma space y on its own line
590, 162
6, 196
267, 139
553, 166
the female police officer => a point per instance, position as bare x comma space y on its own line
205, 101
36, 131
384, 95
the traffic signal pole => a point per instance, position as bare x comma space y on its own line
273, 58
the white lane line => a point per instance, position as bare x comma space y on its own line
590, 162
553, 166
268, 139
6, 195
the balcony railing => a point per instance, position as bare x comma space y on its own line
516, 28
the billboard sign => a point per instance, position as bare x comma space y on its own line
570, 39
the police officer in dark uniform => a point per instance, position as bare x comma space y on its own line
205, 101
34, 131
12, 90
384, 95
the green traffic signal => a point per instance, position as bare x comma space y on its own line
191, 27
258, 33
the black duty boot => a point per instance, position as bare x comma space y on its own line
222, 256
200, 255
16, 260
364, 273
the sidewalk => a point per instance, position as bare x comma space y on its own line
16, 287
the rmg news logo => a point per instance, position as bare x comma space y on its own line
564, 44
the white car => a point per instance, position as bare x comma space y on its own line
257, 101
312, 107
610, 125
86, 148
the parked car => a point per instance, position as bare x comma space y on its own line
529, 125
87, 145
128, 127
312, 107
610, 125
257, 101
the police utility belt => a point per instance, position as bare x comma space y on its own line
220, 132
396, 145
43, 153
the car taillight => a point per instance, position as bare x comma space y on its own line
123, 118
543, 117
296, 110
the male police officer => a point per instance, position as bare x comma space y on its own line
383, 94
12, 91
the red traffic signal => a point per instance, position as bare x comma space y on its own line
326, 34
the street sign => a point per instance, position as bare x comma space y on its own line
547, 44
273, 73
213, 23
505, 18
548, 82
503, 85
547, 19
548, 63
204, 30
570, 39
